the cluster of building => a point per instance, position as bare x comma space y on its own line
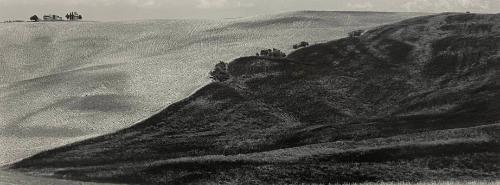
52, 18
72, 16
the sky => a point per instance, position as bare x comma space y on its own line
112, 10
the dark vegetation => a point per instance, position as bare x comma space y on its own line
34, 18
73, 16
356, 33
220, 73
412, 101
275, 53
300, 45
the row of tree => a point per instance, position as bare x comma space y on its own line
73, 16
221, 74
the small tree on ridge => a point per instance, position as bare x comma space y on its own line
220, 73
34, 18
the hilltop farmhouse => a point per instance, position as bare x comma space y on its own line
72, 16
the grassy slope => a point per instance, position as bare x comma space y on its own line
409, 101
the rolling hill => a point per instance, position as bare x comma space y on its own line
414, 100
62, 82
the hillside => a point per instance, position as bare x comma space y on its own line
62, 82
411, 101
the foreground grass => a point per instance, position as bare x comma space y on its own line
424, 183
464, 155
435, 183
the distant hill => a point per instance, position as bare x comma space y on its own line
411, 101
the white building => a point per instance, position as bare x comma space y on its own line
52, 18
